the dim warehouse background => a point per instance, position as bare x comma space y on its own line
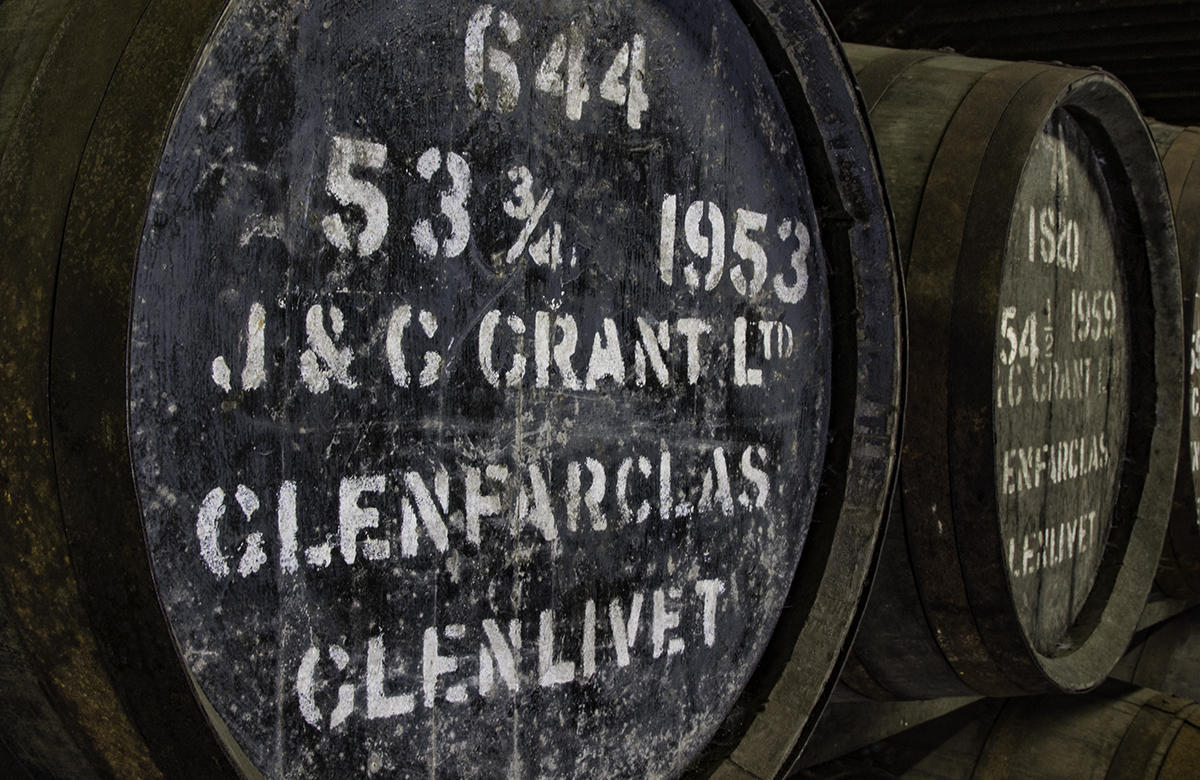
1123, 729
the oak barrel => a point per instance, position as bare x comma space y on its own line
1119, 732
1179, 569
489, 389
1044, 316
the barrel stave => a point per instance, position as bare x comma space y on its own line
895, 631
50, 600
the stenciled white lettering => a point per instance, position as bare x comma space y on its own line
456, 658
373, 512
1026, 468
1029, 554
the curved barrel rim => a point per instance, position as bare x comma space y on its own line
72, 652
842, 550
940, 239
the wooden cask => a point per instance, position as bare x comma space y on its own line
495, 389
1179, 569
27, 32
1044, 318
1119, 732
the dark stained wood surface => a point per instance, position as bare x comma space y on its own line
444, 464
1166, 657
465, 424
28, 29
101, 692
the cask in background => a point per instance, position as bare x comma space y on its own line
1179, 569
1044, 313
1165, 657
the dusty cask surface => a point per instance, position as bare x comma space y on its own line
1164, 657
106, 697
471, 388
464, 440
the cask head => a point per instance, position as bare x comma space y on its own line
1061, 378
481, 381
